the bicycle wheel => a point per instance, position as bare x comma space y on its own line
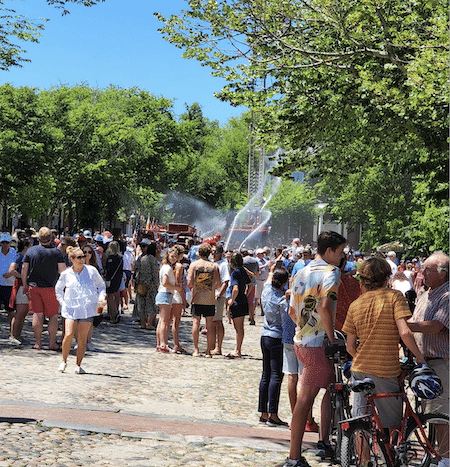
339, 416
359, 448
414, 451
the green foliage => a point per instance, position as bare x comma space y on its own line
355, 91
95, 153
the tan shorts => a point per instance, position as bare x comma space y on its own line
220, 306
440, 404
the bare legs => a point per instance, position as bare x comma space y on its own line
162, 330
218, 333
82, 329
38, 326
209, 335
113, 300
18, 320
177, 311
239, 327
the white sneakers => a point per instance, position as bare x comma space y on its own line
79, 370
62, 367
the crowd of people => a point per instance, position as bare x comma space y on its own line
303, 293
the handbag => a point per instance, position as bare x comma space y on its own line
142, 289
108, 283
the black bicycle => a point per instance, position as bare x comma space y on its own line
339, 392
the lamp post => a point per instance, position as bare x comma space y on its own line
321, 207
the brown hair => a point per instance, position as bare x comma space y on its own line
374, 272
93, 258
204, 250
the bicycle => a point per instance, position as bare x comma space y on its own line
365, 442
339, 393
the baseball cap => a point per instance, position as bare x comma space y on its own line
5, 237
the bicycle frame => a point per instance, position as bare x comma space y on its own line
391, 444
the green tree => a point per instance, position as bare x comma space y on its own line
343, 86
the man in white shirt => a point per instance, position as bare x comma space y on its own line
390, 258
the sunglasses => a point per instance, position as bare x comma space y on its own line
87, 253
80, 257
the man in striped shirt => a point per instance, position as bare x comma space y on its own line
429, 324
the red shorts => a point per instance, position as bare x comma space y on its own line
318, 368
43, 300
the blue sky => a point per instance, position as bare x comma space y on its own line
115, 42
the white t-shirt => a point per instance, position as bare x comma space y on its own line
403, 286
166, 270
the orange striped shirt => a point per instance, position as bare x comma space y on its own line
372, 318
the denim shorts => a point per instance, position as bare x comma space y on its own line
164, 298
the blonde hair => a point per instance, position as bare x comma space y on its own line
71, 251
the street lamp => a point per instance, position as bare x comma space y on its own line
321, 207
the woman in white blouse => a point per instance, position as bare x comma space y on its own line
79, 290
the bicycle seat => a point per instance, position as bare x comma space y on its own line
333, 349
362, 385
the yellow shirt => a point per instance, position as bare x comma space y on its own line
372, 318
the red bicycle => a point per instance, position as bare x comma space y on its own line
366, 443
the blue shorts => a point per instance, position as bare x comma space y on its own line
164, 298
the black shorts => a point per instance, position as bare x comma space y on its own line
236, 311
203, 310
128, 277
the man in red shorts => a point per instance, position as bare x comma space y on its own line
42, 265
313, 309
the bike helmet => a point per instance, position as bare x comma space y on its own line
424, 382
346, 369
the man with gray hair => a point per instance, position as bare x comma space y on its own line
429, 324
390, 258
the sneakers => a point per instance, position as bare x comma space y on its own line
296, 463
325, 450
14, 341
62, 367
312, 427
79, 370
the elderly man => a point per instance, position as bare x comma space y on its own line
391, 258
42, 265
429, 324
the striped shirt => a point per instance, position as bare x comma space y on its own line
372, 318
433, 306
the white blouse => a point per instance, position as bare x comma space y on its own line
78, 293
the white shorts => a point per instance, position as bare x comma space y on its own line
291, 364
21, 299
259, 288
177, 299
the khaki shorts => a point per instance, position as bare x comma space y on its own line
440, 404
220, 306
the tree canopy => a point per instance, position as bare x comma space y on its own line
92, 154
355, 91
